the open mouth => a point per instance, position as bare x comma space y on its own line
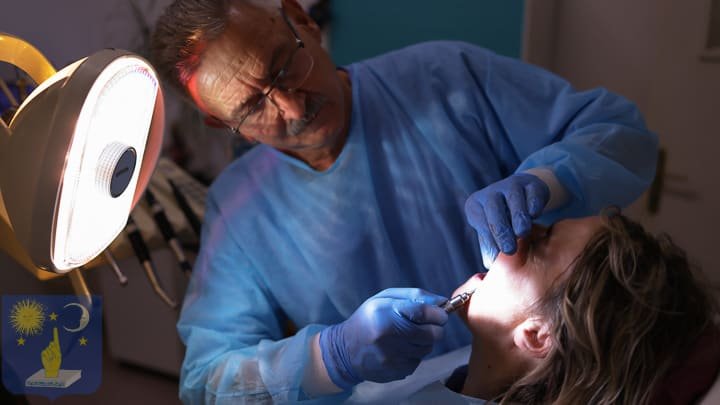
477, 277
471, 284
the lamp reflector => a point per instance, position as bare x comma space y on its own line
109, 137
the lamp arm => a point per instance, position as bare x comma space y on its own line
18, 52
26, 57
4, 135
10, 244
4, 138
80, 287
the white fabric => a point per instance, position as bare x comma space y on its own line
558, 195
424, 386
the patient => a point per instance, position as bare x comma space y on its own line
593, 310
589, 311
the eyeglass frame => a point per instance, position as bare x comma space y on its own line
280, 74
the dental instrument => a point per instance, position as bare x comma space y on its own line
457, 301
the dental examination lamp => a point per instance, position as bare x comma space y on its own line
76, 156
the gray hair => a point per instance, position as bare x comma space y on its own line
185, 28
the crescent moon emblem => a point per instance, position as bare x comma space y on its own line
84, 318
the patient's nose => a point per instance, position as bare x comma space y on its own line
520, 256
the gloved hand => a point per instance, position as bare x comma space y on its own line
385, 338
503, 212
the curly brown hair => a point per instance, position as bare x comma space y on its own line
629, 309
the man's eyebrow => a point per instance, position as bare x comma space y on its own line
268, 76
240, 108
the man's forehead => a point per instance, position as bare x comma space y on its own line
251, 33
240, 47
242, 54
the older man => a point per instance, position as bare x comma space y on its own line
367, 178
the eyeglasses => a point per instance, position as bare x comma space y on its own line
288, 79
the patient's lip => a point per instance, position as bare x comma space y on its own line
469, 285
472, 282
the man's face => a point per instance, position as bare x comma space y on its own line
239, 66
513, 283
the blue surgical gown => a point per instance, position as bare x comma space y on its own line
430, 124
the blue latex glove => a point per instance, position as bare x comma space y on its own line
503, 212
385, 339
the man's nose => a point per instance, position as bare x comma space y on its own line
291, 105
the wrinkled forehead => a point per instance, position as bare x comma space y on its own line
239, 55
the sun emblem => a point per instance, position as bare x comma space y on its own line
27, 317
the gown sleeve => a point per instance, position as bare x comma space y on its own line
595, 142
232, 328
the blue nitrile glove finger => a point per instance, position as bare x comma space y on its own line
537, 194
384, 339
498, 217
520, 214
476, 217
503, 212
411, 294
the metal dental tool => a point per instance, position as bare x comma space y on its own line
184, 205
457, 301
168, 232
113, 265
142, 253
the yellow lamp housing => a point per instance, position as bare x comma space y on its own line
78, 154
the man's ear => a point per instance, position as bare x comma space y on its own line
298, 15
532, 336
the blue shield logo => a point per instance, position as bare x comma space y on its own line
51, 344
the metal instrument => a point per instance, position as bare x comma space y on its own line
114, 265
167, 231
184, 205
457, 301
143, 255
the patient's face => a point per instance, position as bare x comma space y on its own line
515, 282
